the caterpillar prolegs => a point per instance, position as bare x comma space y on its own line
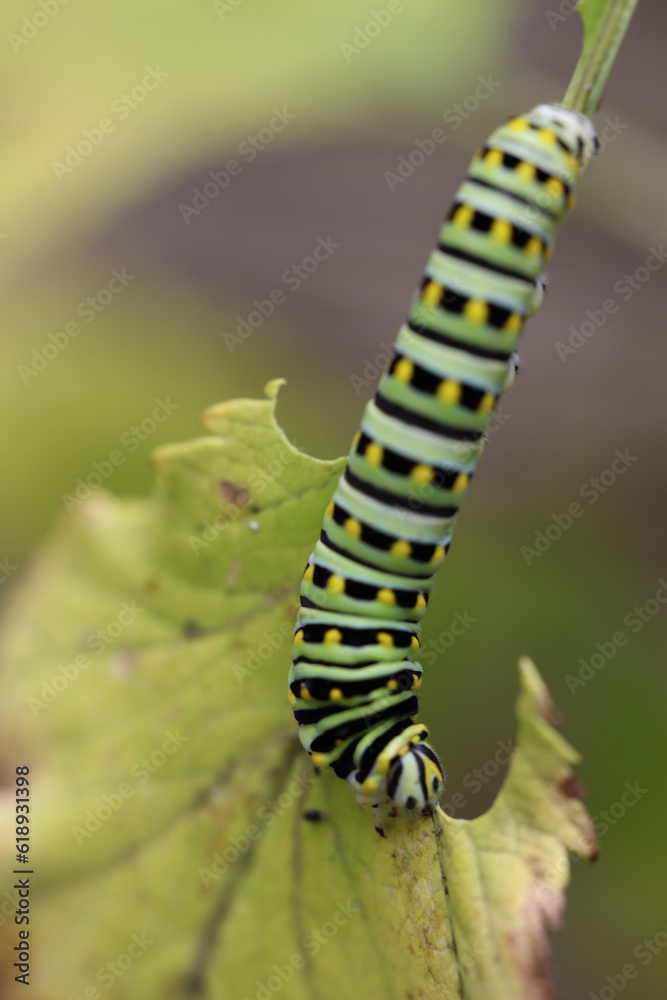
355, 676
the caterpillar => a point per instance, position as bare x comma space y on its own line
355, 676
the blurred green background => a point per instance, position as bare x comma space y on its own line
100, 174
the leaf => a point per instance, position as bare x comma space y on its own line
507, 870
181, 844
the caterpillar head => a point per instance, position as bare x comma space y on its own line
574, 129
415, 780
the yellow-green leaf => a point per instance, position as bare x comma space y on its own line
507, 870
181, 844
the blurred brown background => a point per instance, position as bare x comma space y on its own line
116, 114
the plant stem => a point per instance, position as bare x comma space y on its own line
604, 30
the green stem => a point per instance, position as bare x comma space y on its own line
604, 30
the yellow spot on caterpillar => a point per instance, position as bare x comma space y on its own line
404, 371
335, 694
332, 636
310, 572
460, 482
370, 785
463, 216
356, 439
386, 596
414, 642
476, 311
401, 549
416, 681
493, 158
383, 761
554, 187
534, 246
420, 602
291, 697
374, 453
336, 584
392, 684
526, 171
352, 527
547, 137
571, 201
513, 323
317, 759
432, 294
385, 639
486, 402
422, 474
299, 636
438, 554
517, 124
572, 163
502, 231
330, 508
449, 391
304, 692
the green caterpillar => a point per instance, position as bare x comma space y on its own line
354, 679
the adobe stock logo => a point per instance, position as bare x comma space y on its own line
30, 26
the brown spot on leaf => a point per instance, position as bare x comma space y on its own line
314, 815
591, 848
232, 573
121, 664
231, 493
191, 630
548, 710
571, 788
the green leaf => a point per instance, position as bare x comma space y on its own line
507, 870
181, 844
605, 24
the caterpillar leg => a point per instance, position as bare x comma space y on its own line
539, 292
512, 372
380, 813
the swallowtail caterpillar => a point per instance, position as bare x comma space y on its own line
355, 675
